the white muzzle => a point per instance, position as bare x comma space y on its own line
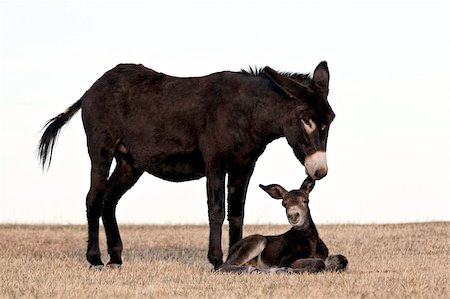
316, 165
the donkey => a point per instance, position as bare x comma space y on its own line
181, 129
298, 250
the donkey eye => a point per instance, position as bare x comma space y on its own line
323, 127
309, 126
308, 123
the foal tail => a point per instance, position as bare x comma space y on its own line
52, 128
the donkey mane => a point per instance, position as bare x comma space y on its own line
258, 72
323, 107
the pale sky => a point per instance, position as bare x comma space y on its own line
388, 150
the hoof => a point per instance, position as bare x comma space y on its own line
336, 263
96, 267
114, 266
217, 264
215, 261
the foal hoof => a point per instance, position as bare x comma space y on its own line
336, 263
114, 266
96, 267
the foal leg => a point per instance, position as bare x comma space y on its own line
237, 269
122, 179
238, 179
243, 252
310, 265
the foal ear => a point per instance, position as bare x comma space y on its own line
321, 76
274, 190
291, 87
308, 185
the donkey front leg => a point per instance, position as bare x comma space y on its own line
215, 180
310, 265
238, 180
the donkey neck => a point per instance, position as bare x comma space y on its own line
308, 230
270, 110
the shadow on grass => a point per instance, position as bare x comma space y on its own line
185, 255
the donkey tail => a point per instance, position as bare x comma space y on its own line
50, 135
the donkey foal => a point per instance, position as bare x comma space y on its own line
298, 250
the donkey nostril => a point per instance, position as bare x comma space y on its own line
294, 216
320, 173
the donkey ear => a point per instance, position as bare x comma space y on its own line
291, 87
308, 185
274, 190
321, 76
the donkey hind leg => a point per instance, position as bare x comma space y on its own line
122, 179
237, 269
242, 253
99, 174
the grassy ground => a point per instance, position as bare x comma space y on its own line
385, 261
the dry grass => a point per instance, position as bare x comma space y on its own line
385, 261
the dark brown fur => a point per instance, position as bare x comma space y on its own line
181, 129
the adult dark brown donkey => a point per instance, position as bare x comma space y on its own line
298, 250
181, 129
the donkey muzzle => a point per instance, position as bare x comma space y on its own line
316, 165
296, 216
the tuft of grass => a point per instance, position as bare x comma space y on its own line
385, 261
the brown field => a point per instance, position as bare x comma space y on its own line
385, 261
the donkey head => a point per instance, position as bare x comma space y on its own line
295, 201
307, 123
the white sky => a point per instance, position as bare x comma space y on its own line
389, 61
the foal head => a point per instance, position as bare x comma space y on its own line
295, 201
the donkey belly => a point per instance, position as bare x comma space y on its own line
177, 167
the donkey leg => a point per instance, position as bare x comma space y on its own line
215, 180
238, 180
310, 265
122, 179
99, 176
237, 269
243, 252
246, 250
